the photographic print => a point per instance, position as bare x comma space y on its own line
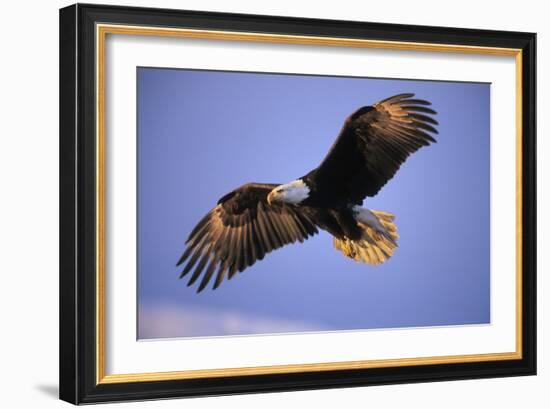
336, 203
283, 203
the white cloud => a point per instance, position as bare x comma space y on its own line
175, 321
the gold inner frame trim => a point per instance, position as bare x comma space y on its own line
101, 33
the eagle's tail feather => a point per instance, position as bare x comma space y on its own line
377, 242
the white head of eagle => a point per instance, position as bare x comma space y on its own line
257, 218
293, 192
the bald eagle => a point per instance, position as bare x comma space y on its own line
257, 218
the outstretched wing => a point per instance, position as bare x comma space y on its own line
373, 143
240, 230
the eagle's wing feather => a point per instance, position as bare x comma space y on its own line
240, 230
372, 145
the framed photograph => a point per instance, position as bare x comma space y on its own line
257, 203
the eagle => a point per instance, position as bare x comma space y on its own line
257, 218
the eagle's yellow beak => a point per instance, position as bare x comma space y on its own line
270, 197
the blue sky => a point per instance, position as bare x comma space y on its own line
201, 134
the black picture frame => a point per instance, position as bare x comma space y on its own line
78, 312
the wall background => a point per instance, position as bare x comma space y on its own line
29, 205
